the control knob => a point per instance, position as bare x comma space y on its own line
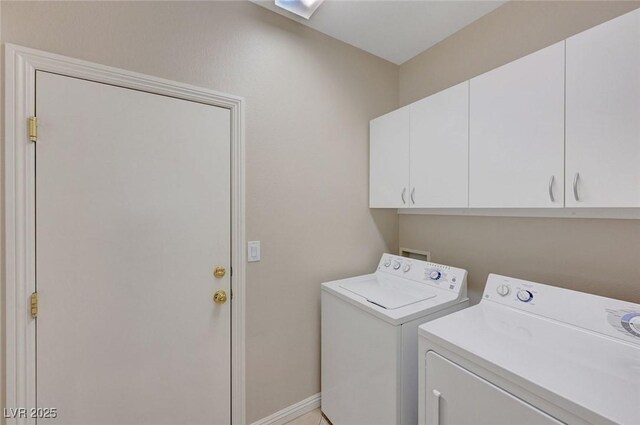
634, 322
435, 275
631, 322
387, 262
524, 295
396, 265
503, 290
406, 267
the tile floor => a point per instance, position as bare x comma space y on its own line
312, 418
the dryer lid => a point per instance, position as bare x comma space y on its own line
389, 294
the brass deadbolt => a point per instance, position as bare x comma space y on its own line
219, 272
220, 297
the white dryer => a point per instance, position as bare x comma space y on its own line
532, 354
370, 338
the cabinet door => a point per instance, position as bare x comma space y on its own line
389, 160
603, 115
516, 146
440, 149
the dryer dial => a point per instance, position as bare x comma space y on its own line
631, 323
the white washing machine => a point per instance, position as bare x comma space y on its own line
370, 338
532, 354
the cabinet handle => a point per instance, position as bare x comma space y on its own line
436, 407
413, 191
551, 189
404, 190
575, 186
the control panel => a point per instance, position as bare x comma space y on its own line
625, 320
437, 275
615, 318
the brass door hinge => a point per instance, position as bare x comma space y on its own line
34, 305
33, 129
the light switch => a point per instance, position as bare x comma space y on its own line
253, 251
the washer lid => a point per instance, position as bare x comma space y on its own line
389, 294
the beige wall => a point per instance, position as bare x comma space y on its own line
309, 100
593, 255
599, 256
2, 339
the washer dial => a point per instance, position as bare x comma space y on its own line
503, 290
524, 295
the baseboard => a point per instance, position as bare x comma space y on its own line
292, 412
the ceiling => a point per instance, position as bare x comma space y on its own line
395, 30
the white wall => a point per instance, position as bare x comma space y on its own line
309, 101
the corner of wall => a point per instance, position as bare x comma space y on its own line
511, 31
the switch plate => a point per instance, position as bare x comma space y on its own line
253, 251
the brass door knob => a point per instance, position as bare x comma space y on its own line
220, 297
219, 272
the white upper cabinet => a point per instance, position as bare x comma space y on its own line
440, 149
389, 160
603, 115
516, 147
557, 128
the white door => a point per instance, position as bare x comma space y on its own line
516, 146
389, 160
440, 149
132, 215
603, 115
456, 396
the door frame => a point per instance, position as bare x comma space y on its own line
21, 64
